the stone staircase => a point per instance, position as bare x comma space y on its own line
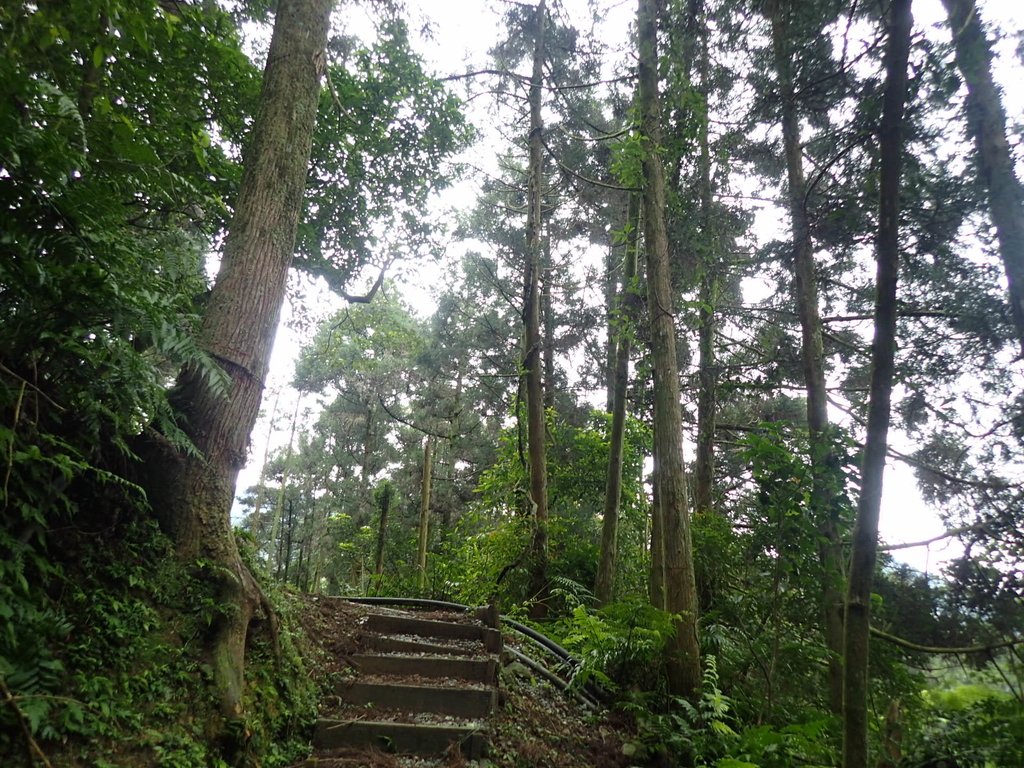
420, 685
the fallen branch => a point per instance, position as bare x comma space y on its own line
34, 750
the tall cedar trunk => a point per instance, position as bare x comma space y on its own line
428, 464
825, 469
282, 567
548, 313
192, 495
656, 583
610, 299
707, 393
623, 325
680, 587
364, 503
532, 358
262, 487
318, 535
384, 508
986, 121
275, 523
883, 354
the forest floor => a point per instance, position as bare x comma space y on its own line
538, 726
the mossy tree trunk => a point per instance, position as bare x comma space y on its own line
192, 495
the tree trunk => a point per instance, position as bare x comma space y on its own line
384, 507
680, 587
623, 325
826, 478
610, 302
986, 121
883, 353
192, 495
275, 523
707, 394
428, 463
257, 523
656, 583
548, 313
532, 362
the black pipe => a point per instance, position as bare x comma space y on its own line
554, 679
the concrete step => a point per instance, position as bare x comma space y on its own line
458, 702
386, 644
475, 670
387, 624
409, 738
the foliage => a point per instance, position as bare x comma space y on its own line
489, 543
685, 733
384, 135
621, 645
971, 725
114, 675
111, 187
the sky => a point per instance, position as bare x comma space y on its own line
461, 32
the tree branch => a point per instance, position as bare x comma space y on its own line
424, 430
912, 646
479, 72
925, 542
585, 179
367, 297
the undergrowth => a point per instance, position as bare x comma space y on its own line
101, 661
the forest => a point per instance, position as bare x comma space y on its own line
638, 322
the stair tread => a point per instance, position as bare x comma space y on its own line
418, 685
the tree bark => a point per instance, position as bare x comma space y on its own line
623, 326
384, 508
826, 478
680, 586
610, 301
257, 523
428, 455
275, 523
883, 354
707, 392
548, 315
532, 358
192, 495
656, 583
986, 122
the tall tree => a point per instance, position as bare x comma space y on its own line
826, 478
708, 279
532, 348
899, 22
192, 495
623, 328
424, 526
670, 471
986, 122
